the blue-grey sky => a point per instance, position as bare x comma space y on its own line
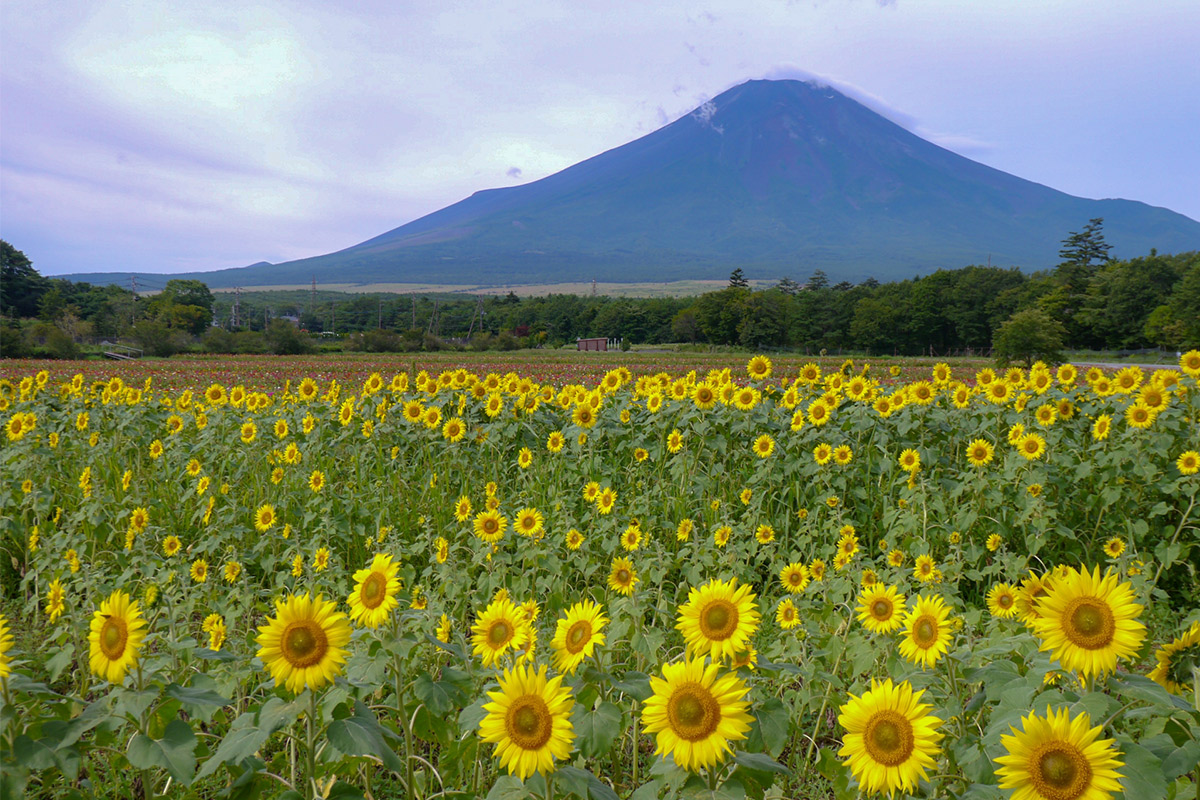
171, 136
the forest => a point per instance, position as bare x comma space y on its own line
1089, 301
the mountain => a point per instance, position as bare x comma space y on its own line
776, 177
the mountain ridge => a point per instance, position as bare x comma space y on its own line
776, 177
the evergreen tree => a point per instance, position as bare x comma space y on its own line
737, 279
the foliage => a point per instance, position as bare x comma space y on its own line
1028, 336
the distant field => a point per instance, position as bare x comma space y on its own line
661, 289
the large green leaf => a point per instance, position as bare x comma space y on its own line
597, 730
362, 735
174, 752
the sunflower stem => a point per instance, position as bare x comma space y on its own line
310, 750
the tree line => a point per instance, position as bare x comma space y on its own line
1089, 301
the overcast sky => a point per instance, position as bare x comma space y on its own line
169, 136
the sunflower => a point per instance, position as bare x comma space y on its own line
264, 518
574, 539
764, 446
321, 559
631, 539
584, 416
1139, 415
1088, 621
375, 590
1002, 601
232, 570
786, 614
924, 568
822, 453
6, 641
704, 397
555, 442
1177, 661
199, 570
926, 631
454, 430
1114, 547
1032, 588
816, 570
55, 600
1188, 463
719, 619
994, 542
1056, 757
622, 577
577, 635
881, 608
529, 721
910, 460
721, 535
606, 500
1101, 427
794, 577
843, 455
890, 738
675, 441
759, 368
441, 549
500, 627
303, 645
980, 452
1189, 362
683, 531
695, 712
489, 526
214, 626
528, 522
116, 635
462, 509
764, 534
818, 412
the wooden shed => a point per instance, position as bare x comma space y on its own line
591, 344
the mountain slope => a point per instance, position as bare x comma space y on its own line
777, 177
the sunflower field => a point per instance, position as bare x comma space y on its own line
807, 582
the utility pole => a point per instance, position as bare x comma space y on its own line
312, 299
593, 287
333, 313
237, 302
380, 325
414, 299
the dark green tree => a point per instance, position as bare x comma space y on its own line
1028, 335
21, 286
737, 280
1084, 247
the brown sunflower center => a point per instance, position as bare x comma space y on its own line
881, 609
528, 722
113, 637
718, 620
1059, 771
889, 738
490, 525
622, 576
499, 633
304, 643
578, 635
925, 632
1089, 623
1005, 601
374, 590
693, 713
